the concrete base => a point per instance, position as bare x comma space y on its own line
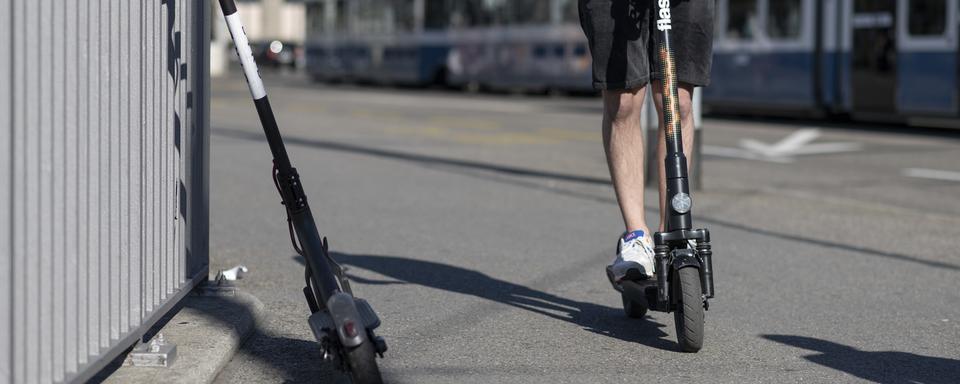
207, 331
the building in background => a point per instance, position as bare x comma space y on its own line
273, 19
267, 24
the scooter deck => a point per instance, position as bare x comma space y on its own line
642, 291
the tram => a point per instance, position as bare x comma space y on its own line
868, 59
891, 60
504, 44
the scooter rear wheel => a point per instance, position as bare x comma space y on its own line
363, 364
688, 316
633, 309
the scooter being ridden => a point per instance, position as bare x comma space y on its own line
682, 256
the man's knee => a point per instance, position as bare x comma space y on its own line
686, 101
621, 106
685, 93
686, 108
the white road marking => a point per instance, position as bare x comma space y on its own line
738, 153
785, 146
796, 144
935, 174
825, 148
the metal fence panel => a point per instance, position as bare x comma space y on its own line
6, 223
103, 177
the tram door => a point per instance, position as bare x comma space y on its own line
927, 43
874, 64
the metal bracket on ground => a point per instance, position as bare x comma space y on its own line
215, 288
155, 353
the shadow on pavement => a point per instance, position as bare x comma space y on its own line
413, 157
594, 318
297, 361
879, 367
830, 244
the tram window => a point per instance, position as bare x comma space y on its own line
569, 11
580, 50
742, 19
927, 17
784, 19
539, 51
372, 17
341, 21
497, 11
442, 14
470, 13
436, 14
559, 50
402, 13
316, 17
529, 11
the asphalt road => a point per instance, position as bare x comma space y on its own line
478, 226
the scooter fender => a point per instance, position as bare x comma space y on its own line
683, 258
346, 318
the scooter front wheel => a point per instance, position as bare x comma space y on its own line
688, 316
362, 360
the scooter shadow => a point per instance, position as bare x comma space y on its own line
880, 366
599, 319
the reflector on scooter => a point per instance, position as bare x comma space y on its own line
350, 329
681, 203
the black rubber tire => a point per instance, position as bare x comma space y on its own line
688, 316
633, 309
363, 364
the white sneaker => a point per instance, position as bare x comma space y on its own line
634, 260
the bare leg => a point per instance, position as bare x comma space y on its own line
686, 130
623, 144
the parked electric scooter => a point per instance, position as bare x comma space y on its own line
683, 257
341, 323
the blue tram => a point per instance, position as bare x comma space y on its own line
871, 59
508, 44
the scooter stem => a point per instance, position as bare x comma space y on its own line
675, 161
288, 181
255, 84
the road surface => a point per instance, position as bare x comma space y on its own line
478, 226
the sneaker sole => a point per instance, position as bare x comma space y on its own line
613, 281
632, 274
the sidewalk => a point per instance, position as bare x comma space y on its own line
207, 332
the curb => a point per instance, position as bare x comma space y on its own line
207, 331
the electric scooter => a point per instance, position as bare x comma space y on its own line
682, 256
341, 323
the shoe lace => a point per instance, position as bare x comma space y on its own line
640, 244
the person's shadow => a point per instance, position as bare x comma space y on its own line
595, 318
879, 367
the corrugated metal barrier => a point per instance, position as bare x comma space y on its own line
103, 177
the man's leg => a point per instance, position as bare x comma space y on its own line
623, 143
686, 131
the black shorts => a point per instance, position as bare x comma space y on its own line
621, 34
